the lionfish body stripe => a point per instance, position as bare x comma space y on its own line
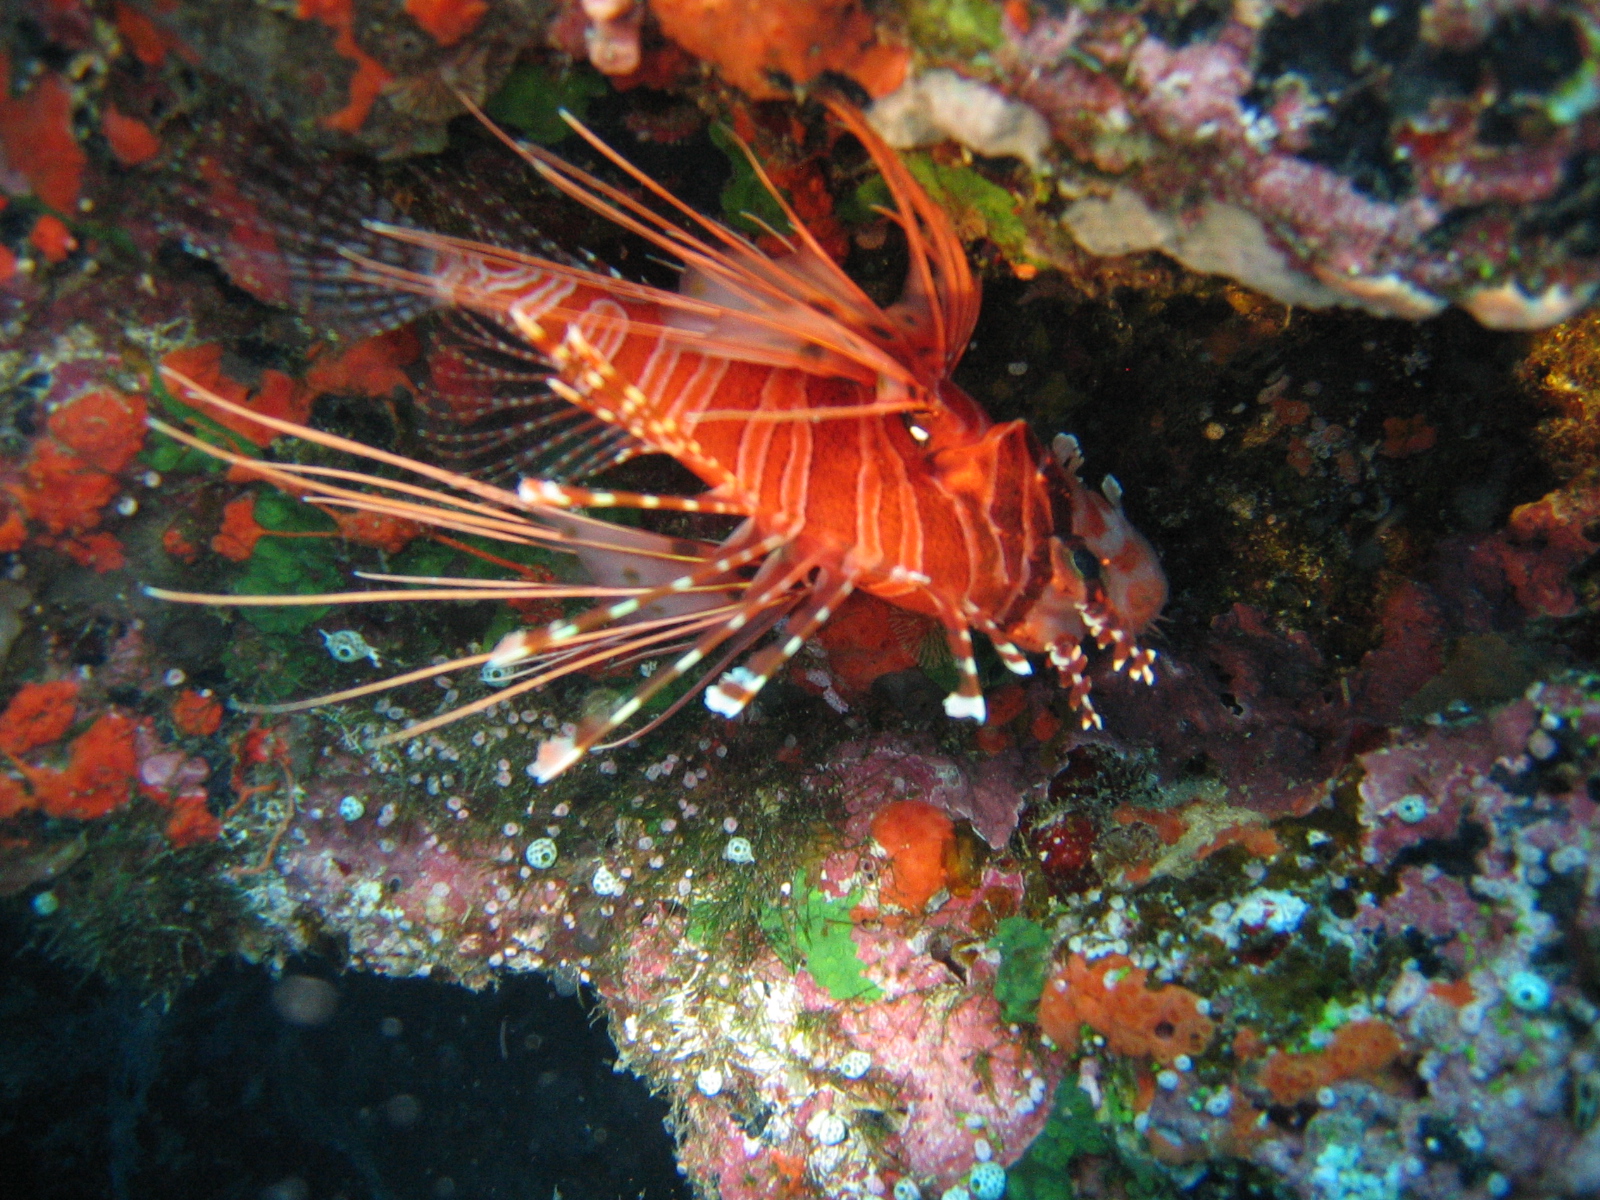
830, 424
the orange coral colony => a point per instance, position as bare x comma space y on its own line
39, 714
1359, 1048
793, 39
920, 840
1111, 997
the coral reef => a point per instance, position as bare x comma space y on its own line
1313, 917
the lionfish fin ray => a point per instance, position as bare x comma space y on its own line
939, 264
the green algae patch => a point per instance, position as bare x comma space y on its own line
815, 933
532, 98
978, 206
744, 195
1024, 947
289, 566
965, 29
1044, 1172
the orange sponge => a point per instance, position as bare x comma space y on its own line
1359, 1048
1111, 998
920, 841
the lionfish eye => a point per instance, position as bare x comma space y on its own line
1088, 565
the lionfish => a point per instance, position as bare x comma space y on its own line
828, 424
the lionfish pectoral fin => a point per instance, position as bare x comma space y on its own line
966, 702
557, 754
1014, 659
736, 688
560, 495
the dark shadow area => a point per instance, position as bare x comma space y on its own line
410, 1089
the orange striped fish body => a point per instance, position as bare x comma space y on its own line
972, 516
830, 424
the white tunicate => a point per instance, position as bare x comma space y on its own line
956, 1193
827, 1129
45, 904
1219, 1103
709, 1081
351, 808
987, 1181
605, 882
855, 1064
739, 850
348, 646
905, 1188
1528, 991
1412, 808
497, 674
541, 853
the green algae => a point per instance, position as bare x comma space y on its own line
297, 566
1044, 1172
815, 933
1024, 948
744, 196
967, 30
533, 98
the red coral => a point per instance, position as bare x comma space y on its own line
370, 75
447, 21
37, 139
196, 714
800, 39
1405, 436
147, 40
14, 798
98, 779
63, 493
386, 533
191, 821
920, 841
1111, 998
277, 396
39, 714
100, 552
240, 532
370, 367
180, 547
105, 429
13, 532
51, 238
131, 140
1169, 826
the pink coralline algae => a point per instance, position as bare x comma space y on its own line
990, 793
1396, 159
